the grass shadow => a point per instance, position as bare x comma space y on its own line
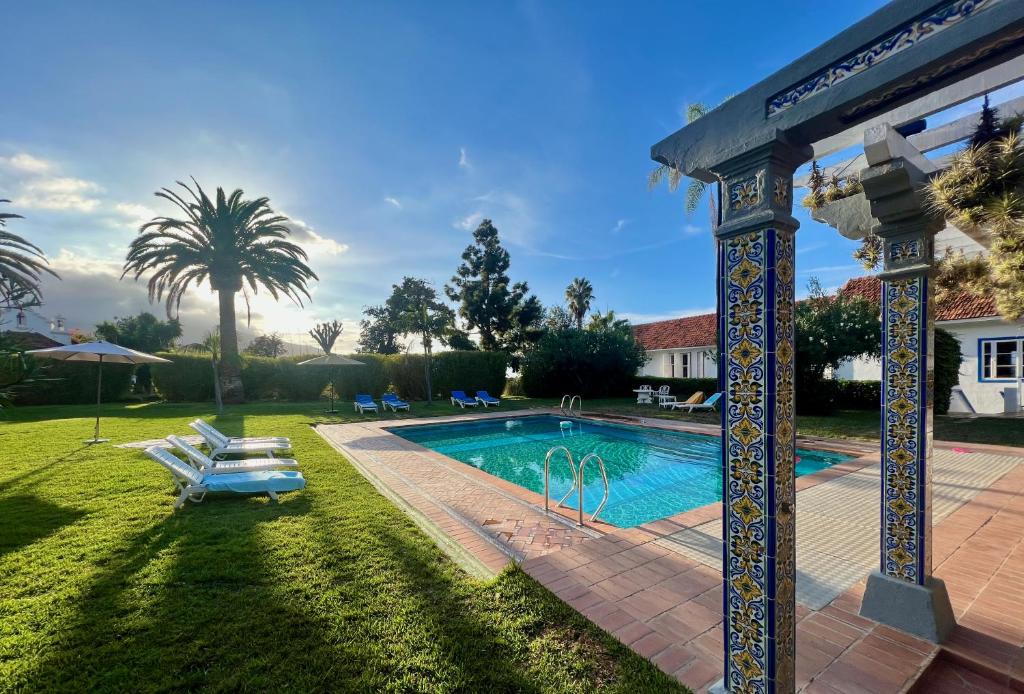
25, 519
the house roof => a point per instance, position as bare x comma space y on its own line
30, 340
959, 306
700, 331
692, 331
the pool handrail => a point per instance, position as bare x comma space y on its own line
604, 477
547, 475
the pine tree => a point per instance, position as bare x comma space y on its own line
989, 128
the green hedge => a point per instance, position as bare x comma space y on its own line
581, 362
189, 377
682, 388
72, 383
947, 368
858, 395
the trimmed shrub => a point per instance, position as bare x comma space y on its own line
858, 395
947, 368
513, 388
584, 362
470, 371
73, 383
188, 378
682, 388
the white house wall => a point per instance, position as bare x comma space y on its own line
985, 397
659, 364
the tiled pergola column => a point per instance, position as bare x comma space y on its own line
903, 593
755, 314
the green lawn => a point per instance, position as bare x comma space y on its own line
103, 587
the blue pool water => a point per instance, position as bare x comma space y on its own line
652, 473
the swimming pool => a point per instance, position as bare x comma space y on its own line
652, 473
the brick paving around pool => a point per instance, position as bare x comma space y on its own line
657, 587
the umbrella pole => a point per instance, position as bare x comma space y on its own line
99, 392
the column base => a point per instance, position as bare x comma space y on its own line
924, 611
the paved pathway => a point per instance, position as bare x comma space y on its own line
838, 522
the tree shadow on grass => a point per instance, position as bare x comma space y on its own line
179, 607
25, 519
31, 475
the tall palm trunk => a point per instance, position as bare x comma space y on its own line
231, 387
427, 369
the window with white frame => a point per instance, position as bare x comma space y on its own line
670, 368
999, 359
684, 365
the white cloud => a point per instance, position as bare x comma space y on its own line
58, 193
394, 202
464, 159
620, 225
134, 212
469, 222
314, 243
27, 163
693, 230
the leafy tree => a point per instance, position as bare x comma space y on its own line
488, 301
266, 346
607, 322
210, 345
379, 331
578, 296
144, 332
594, 364
459, 339
829, 331
22, 266
231, 242
326, 334
557, 318
421, 313
695, 188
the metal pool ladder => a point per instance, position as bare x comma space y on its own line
573, 399
577, 480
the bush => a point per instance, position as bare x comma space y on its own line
513, 388
859, 395
188, 378
469, 371
584, 362
72, 383
947, 368
682, 388
816, 395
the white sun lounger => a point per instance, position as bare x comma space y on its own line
706, 406
220, 446
219, 467
238, 439
194, 485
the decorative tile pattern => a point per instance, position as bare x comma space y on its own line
781, 191
756, 275
902, 251
935, 21
906, 512
746, 193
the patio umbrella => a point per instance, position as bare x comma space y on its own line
100, 352
332, 361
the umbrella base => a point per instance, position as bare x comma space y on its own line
92, 441
330, 411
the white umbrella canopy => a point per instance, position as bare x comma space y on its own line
331, 360
100, 352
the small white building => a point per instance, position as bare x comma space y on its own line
32, 330
991, 373
679, 348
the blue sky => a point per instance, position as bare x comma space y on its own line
388, 130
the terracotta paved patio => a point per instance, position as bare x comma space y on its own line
666, 604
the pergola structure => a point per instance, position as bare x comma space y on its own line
906, 61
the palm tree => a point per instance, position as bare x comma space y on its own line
231, 242
578, 296
694, 189
22, 265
